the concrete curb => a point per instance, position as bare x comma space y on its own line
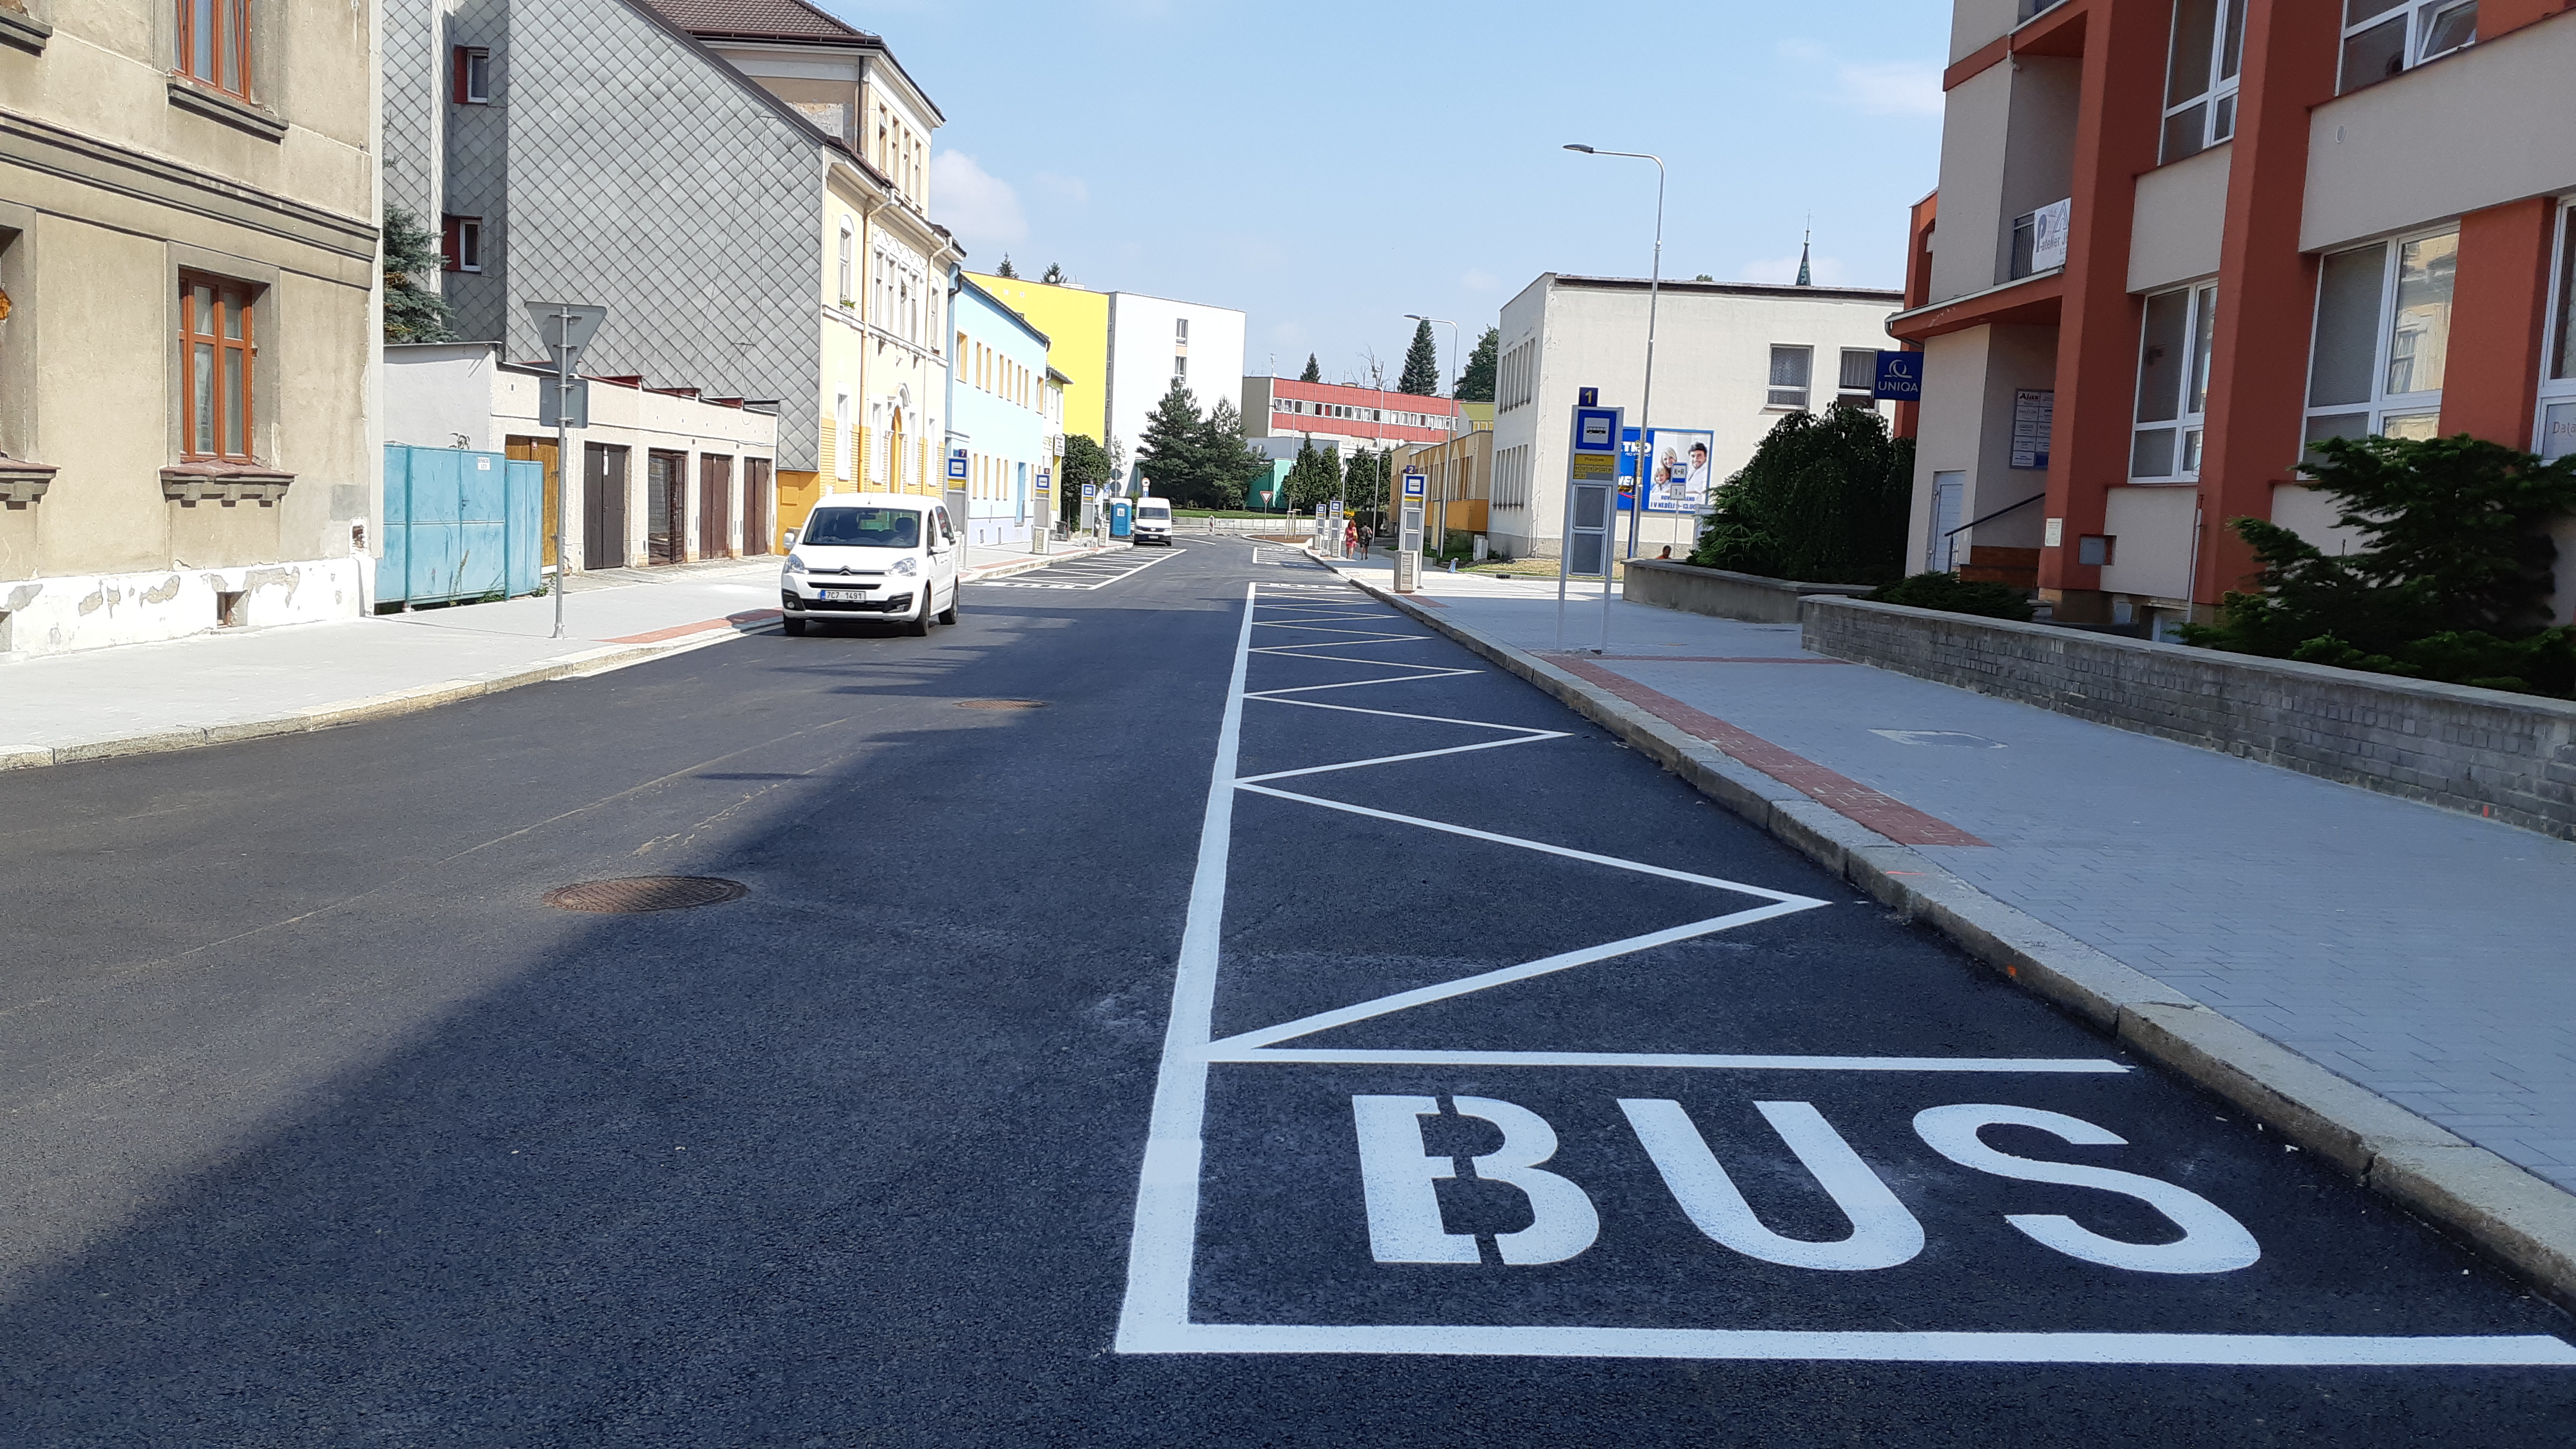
370, 707
2516, 1218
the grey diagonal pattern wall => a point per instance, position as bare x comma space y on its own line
475, 141
413, 98
645, 176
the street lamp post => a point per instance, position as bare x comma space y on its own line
1447, 464
1654, 290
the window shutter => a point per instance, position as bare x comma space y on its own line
448, 244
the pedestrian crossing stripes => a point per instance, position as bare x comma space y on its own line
1098, 571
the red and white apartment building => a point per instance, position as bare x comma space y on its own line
2177, 240
1280, 412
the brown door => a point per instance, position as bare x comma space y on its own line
666, 507
715, 506
603, 508
757, 535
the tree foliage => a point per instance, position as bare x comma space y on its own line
1053, 276
1084, 462
1476, 380
1364, 479
1197, 461
1004, 270
2454, 581
1951, 595
1313, 477
413, 313
1421, 373
1312, 372
1826, 499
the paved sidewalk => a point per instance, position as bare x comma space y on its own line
2426, 955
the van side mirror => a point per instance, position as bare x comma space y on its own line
791, 538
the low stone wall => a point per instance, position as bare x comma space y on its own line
2508, 756
1696, 590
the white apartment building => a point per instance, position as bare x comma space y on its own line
1731, 359
1155, 340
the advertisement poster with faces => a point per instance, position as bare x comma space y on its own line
1677, 474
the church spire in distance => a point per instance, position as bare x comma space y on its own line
1804, 279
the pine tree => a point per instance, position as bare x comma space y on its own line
1421, 375
1312, 479
1312, 372
1364, 482
413, 313
1054, 274
1084, 462
1004, 270
1227, 464
1169, 453
1476, 383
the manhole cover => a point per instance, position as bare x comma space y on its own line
640, 893
1001, 704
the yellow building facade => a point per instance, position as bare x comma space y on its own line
1077, 323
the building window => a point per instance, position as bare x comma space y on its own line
2173, 384
2201, 74
473, 75
1181, 368
1790, 368
2383, 37
2383, 333
1860, 376
1180, 329
217, 341
214, 44
2557, 433
849, 259
460, 243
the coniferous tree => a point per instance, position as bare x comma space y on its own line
1364, 482
1084, 462
1421, 374
1312, 372
413, 313
1825, 497
1004, 270
1476, 381
1226, 463
1312, 478
1053, 276
1169, 453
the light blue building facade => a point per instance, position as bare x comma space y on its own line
999, 426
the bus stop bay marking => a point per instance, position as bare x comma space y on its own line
1155, 1313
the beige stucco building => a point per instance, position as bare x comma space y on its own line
188, 247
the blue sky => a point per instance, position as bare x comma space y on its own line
1328, 167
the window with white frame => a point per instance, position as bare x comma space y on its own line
2201, 74
1791, 368
2383, 334
2173, 384
2383, 37
2555, 436
1859, 376
849, 262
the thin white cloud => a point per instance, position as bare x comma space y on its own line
1068, 188
1823, 271
1873, 87
980, 207
1477, 279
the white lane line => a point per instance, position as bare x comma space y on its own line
1317, 1056
1073, 571
1504, 976
1667, 872
2316, 1350
1420, 671
1400, 714
1156, 1312
1528, 739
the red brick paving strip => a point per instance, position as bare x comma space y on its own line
1688, 658
1841, 794
744, 619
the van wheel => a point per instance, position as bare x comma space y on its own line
949, 614
919, 624
795, 628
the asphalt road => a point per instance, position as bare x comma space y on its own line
322, 1128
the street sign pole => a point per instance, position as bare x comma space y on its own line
1591, 504
566, 328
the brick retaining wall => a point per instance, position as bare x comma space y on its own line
1720, 592
2509, 756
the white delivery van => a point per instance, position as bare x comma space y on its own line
872, 555
1154, 521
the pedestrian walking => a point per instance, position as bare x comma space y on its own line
1350, 539
1367, 534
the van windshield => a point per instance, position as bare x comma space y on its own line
863, 528
1153, 510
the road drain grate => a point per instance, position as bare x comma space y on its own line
637, 894
1001, 704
